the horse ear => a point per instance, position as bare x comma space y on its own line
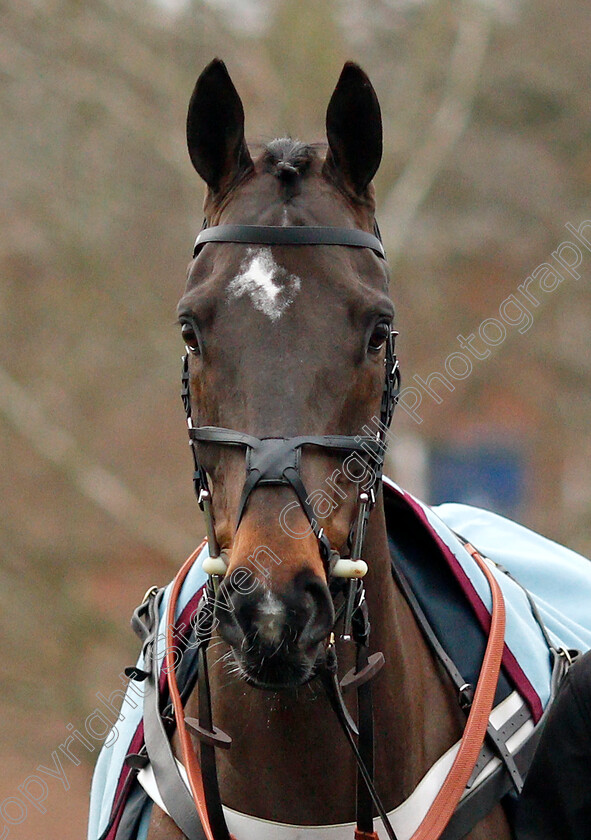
215, 128
354, 130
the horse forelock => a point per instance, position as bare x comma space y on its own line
289, 161
285, 153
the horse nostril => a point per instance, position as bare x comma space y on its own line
234, 613
321, 613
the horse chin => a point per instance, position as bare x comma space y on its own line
282, 674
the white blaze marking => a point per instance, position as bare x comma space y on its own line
270, 287
271, 619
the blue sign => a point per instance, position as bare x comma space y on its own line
485, 475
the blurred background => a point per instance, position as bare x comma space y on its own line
487, 157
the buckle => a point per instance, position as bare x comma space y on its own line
150, 593
466, 696
569, 654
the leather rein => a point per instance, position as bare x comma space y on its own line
276, 461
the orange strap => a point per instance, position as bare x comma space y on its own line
188, 753
455, 783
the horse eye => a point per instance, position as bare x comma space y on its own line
190, 338
378, 338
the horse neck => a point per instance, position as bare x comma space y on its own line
289, 760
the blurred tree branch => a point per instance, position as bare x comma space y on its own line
96, 483
404, 200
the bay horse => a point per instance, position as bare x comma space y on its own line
288, 341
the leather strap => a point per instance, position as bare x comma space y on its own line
364, 806
207, 752
465, 690
170, 783
296, 482
454, 785
346, 443
188, 753
479, 801
291, 235
333, 694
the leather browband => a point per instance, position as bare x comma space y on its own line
292, 235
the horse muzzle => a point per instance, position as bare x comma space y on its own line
277, 638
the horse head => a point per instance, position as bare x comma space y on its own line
286, 345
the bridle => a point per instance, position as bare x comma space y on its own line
276, 460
